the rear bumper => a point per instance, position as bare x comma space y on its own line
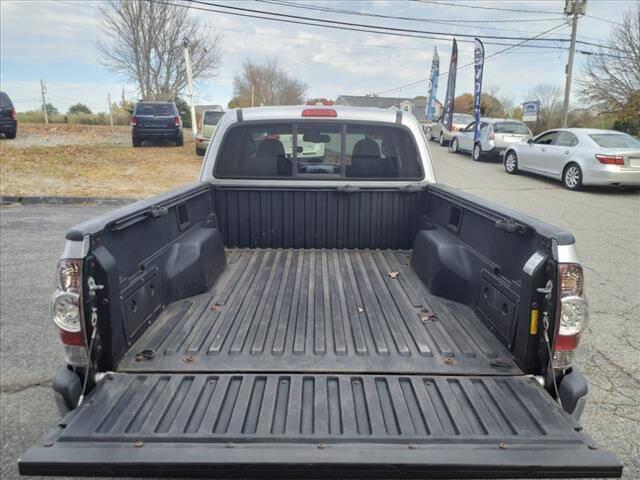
8, 125
142, 133
611, 175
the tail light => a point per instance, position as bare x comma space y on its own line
492, 134
176, 121
134, 121
610, 159
13, 114
573, 314
319, 112
454, 129
67, 311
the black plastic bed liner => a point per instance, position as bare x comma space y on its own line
319, 311
312, 426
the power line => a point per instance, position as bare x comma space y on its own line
393, 29
397, 17
363, 25
604, 20
486, 8
379, 32
493, 55
420, 19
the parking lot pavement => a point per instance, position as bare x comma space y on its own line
606, 225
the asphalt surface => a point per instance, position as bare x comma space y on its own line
606, 225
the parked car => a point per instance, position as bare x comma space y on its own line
335, 316
210, 119
496, 135
579, 156
156, 121
442, 135
8, 119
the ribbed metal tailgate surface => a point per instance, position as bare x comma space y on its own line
318, 425
320, 311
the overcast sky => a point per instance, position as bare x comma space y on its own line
55, 41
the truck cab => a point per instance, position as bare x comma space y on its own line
326, 311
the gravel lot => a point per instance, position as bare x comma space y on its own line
606, 225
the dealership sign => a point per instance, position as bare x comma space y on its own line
530, 111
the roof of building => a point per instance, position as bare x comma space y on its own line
419, 105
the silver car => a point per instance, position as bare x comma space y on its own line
442, 135
496, 135
579, 156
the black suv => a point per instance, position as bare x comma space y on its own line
8, 122
156, 121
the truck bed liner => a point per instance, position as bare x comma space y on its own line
319, 311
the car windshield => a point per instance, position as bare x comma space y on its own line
462, 119
212, 118
156, 109
4, 100
615, 140
511, 127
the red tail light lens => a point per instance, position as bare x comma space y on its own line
454, 129
67, 311
176, 121
319, 112
610, 159
134, 121
13, 114
573, 314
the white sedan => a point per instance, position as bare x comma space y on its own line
579, 156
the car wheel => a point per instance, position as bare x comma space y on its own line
11, 134
136, 142
454, 145
441, 140
476, 154
511, 162
180, 141
572, 177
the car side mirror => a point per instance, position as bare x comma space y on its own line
530, 141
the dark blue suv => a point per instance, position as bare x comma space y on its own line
8, 122
156, 121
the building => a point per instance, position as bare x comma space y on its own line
416, 106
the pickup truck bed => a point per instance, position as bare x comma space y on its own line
319, 310
324, 326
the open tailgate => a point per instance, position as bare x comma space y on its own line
339, 426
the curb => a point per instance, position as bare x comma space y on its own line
44, 200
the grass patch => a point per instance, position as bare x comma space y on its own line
101, 170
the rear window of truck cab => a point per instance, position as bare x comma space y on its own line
318, 151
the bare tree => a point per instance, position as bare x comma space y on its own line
611, 78
550, 98
266, 84
143, 41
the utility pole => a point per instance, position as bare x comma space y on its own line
577, 8
43, 89
110, 109
187, 61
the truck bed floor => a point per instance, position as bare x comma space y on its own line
319, 311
